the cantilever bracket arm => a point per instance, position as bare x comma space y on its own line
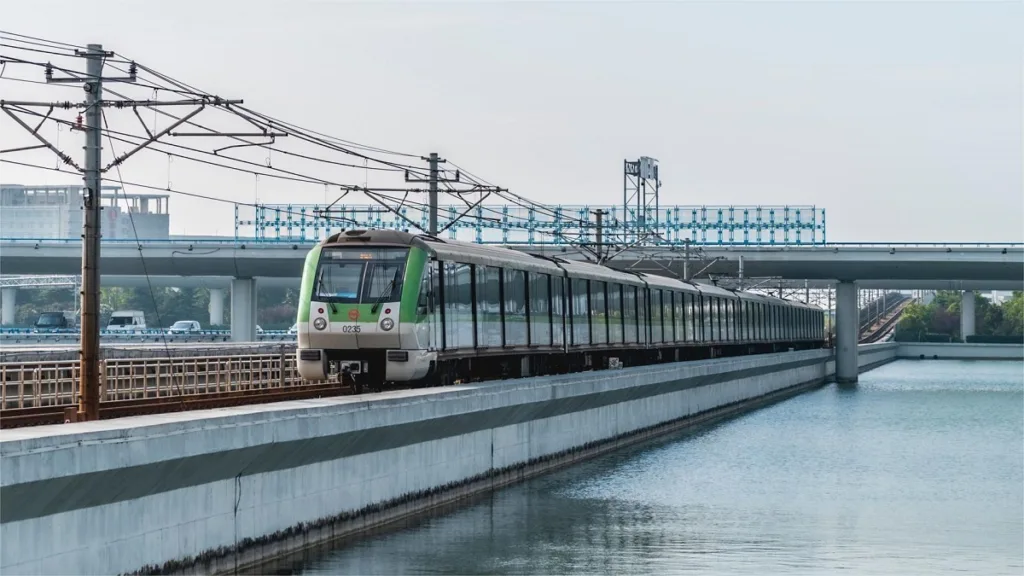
261, 144
64, 157
467, 211
117, 161
392, 210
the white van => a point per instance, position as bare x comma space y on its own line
127, 321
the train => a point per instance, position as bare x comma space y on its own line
384, 307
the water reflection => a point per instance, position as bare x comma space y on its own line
919, 470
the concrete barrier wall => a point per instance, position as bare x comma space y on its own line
869, 356
960, 351
202, 490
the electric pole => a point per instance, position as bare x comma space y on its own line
599, 234
686, 260
89, 387
92, 176
434, 180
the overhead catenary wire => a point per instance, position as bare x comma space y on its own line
43, 40
161, 189
266, 123
142, 259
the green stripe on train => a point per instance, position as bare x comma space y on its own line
415, 266
306, 289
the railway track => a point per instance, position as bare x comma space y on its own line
63, 413
888, 324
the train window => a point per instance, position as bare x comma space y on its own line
690, 314
615, 313
488, 307
678, 332
458, 305
751, 321
668, 312
540, 309
733, 318
716, 333
745, 321
629, 314
710, 318
727, 320
559, 322
580, 312
642, 316
598, 313
655, 296
515, 307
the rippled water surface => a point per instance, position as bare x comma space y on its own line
919, 470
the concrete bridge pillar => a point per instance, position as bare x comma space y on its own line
966, 314
9, 304
216, 306
847, 332
243, 309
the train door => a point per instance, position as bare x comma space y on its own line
436, 303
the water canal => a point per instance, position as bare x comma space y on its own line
918, 470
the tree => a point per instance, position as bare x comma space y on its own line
942, 316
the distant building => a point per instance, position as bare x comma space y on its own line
28, 211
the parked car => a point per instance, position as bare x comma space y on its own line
127, 321
55, 321
184, 327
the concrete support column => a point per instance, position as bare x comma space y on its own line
847, 331
9, 304
966, 314
216, 307
243, 309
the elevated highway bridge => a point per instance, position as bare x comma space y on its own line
872, 265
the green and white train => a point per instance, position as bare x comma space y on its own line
386, 306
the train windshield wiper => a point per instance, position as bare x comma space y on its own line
385, 292
320, 290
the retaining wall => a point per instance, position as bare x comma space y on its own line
203, 490
960, 351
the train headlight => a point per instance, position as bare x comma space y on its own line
320, 323
387, 324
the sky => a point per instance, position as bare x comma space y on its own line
902, 119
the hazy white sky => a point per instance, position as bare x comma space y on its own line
903, 120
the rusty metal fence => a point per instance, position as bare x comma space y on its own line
55, 383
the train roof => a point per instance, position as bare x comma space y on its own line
492, 255
670, 283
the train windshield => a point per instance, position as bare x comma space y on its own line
356, 275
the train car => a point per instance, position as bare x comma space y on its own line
385, 306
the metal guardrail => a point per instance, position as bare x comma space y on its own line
14, 336
55, 383
147, 332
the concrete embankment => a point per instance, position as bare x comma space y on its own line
959, 351
210, 490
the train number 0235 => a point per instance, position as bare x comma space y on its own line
351, 329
